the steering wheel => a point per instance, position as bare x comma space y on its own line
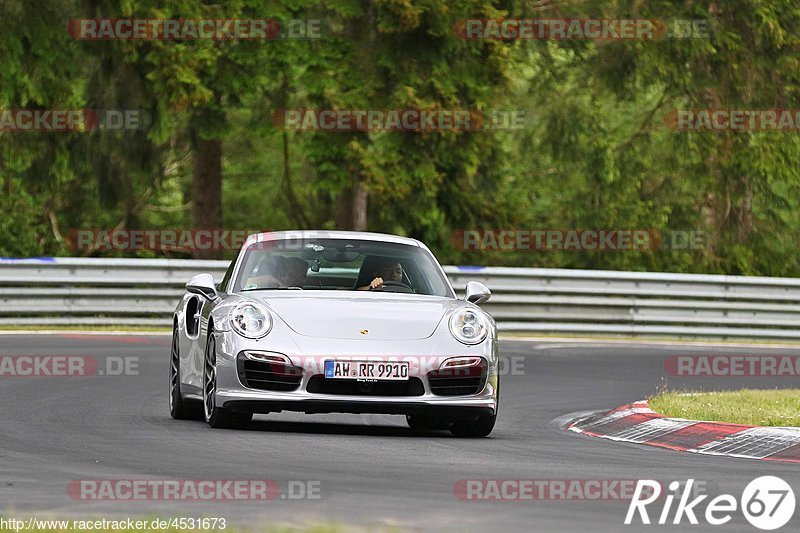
392, 283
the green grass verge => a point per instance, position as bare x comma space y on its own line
776, 407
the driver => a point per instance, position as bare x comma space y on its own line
296, 270
390, 271
270, 271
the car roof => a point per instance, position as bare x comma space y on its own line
329, 234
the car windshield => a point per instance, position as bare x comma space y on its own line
340, 264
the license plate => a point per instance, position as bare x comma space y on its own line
367, 370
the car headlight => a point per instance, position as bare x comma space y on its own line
469, 326
251, 320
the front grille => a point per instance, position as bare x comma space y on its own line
458, 381
269, 376
411, 387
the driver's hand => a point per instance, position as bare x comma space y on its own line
375, 283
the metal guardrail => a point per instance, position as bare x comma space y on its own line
66, 291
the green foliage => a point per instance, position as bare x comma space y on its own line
595, 151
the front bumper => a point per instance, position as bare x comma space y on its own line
233, 394
450, 410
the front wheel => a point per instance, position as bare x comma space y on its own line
218, 417
479, 427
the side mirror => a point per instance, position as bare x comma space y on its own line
202, 284
477, 293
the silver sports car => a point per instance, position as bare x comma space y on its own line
335, 322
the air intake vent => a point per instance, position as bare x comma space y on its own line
460, 381
264, 375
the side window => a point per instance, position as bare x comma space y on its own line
223, 285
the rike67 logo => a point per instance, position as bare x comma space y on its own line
767, 503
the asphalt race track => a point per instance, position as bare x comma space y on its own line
371, 470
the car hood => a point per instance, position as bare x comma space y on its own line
367, 316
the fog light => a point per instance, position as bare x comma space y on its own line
268, 357
461, 362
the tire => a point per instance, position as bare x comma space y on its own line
216, 416
179, 408
425, 423
479, 427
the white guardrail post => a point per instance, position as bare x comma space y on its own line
67, 291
